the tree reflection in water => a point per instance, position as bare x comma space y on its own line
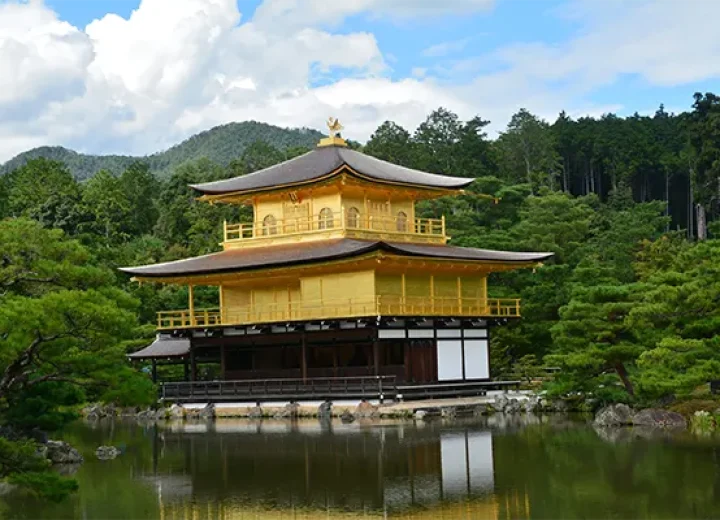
495, 467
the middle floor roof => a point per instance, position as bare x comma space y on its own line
239, 260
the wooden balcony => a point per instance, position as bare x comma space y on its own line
341, 308
398, 229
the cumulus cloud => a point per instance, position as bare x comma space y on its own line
41, 58
175, 67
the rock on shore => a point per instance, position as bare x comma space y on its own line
622, 415
107, 452
60, 452
615, 415
659, 419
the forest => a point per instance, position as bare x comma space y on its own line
628, 309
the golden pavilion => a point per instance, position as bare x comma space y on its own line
335, 285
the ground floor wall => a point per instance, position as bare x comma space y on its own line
409, 353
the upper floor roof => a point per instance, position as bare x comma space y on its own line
323, 163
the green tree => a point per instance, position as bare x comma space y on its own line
107, 206
62, 327
678, 317
391, 142
260, 155
141, 190
527, 150
45, 191
704, 135
437, 138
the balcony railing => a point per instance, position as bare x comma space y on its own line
341, 308
397, 227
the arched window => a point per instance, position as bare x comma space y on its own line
325, 218
269, 225
353, 218
402, 222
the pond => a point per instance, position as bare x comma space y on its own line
491, 467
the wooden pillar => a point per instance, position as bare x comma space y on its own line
223, 362
407, 358
154, 371
459, 295
376, 356
432, 292
191, 305
221, 305
366, 214
303, 357
335, 360
414, 228
311, 209
186, 370
193, 366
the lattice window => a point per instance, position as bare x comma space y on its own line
353, 218
325, 218
269, 225
296, 216
402, 222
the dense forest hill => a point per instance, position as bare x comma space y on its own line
221, 144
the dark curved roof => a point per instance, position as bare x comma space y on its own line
163, 348
323, 161
292, 254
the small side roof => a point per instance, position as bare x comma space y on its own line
163, 348
293, 254
324, 161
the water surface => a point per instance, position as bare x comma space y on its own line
493, 467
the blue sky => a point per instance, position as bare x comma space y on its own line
124, 76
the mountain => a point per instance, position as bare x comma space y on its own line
221, 144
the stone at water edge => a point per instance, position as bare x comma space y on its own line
289, 411
325, 410
208, 412
59, 452
292, 409
501, 402
176, 411
448, 412
107, 452
482, 409
532, 404
420, 415
148, 414
365, 410
513, 406
559, 405
615, 415
347, 417
657, 418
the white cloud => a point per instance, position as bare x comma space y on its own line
419, 72
313, 12
175, 67
41, 58
445, 48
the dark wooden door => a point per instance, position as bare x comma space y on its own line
421, 360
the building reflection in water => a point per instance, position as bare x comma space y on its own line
273, 469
